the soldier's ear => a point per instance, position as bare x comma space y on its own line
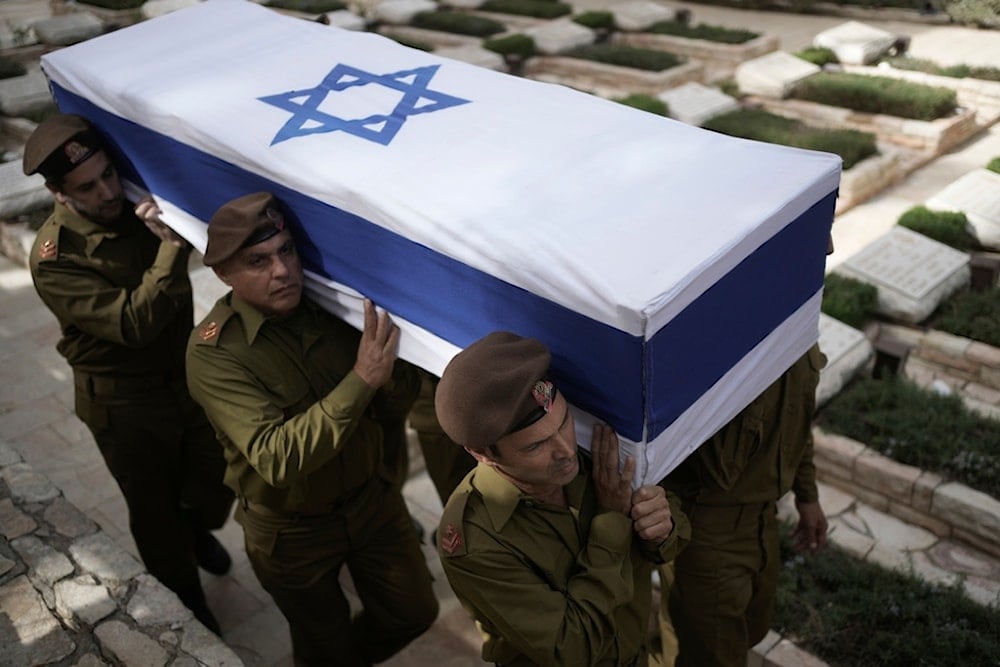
56, 191
222, 274
480, 456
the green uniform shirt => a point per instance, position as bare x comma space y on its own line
298, 425
549, 585
121, 296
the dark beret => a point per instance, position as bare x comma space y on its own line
241, 223
485, 391
59, 144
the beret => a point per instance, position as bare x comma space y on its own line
59, 144
241, 223
486, 389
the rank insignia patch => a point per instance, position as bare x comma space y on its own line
451, 541
47, 250
209, 331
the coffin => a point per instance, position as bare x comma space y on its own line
673, 272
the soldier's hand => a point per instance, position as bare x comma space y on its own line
612, 482
147, 211
651, 516
810, 533
378, 348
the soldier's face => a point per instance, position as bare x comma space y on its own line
93, 190
268, 275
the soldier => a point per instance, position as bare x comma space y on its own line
549, 550
298, 399
120, 291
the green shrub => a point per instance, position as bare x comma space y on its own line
972, 314
852, 612
730, 87
954, 71
308, 6
851, 145
849, 300
711, 33
920, 428
11, 68
418, 44
455, 22
994, 165
982, 13
877, 94
596, 20
818, 55
114, 4
645, 103
511, 45
626, 56
948, 227
543, 9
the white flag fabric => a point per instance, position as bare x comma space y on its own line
673, 272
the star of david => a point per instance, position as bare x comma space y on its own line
381, 128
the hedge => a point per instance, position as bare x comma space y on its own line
818, 55
711, 33
596, 20
954, 71
851, 301
510, 45
972, 314
948, 227
877, 94
309, 6
114, 4
543, 9
994, 165
455, 22
626, 56
645, 103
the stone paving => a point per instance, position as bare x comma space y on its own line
58, 503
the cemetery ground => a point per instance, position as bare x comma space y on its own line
59, 506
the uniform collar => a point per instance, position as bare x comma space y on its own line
254, 320
93, 232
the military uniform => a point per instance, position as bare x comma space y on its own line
304, 445
579, 575
722, 599
123, 301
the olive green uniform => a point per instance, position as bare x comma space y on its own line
123, 301
549, 585
304, 443
722, 598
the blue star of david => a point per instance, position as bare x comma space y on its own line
380, 128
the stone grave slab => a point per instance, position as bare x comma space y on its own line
694, 103
153, 8
474, 55
773, 75
977, 194
20, 193
856, 43
20, 95
913, 273
401, 12
13, 35
559, 36
68, 29
639, 15
345, 19
847, 350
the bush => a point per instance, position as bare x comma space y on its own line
818, 55
709, 33
114, 4
626, 56
948, 227
410, 42
851, 612
920, 428
308, 6
954, 71
994, 165
454, 22
596, 20
543, 9
973, 314
851, 301
851, 145
511, 45
645, 103
877, 94
11, 68
982, 13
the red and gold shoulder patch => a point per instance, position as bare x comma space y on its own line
47, 250
451, 541
209, 331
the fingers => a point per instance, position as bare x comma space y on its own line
378, 348
651, 515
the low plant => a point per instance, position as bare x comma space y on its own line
596, 20
418, 44
309, 6
458, 23
973, 314
955, 71
920, 428
711, 33
626, 56
512, 45
818, 55
948, 227
11, 68
852, 612
877, 94
114, 4
542, 9
851, 145
981, 13
645, 103
994, 165
849, 300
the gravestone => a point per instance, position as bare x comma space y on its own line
401, 12
153, 8
847, 350
773, 74
559, 35
14, 35
20, 95
345, 19
20, 193
639, 15
474, 55
914, 274
977, 195
68, 29
856, 43
694, 103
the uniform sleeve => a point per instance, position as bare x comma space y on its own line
280, 450
393, 400
550, 627
130, 317
804, 485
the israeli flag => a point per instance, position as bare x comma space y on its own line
673, 272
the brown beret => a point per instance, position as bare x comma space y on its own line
59, 144
241, 223
485, 391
